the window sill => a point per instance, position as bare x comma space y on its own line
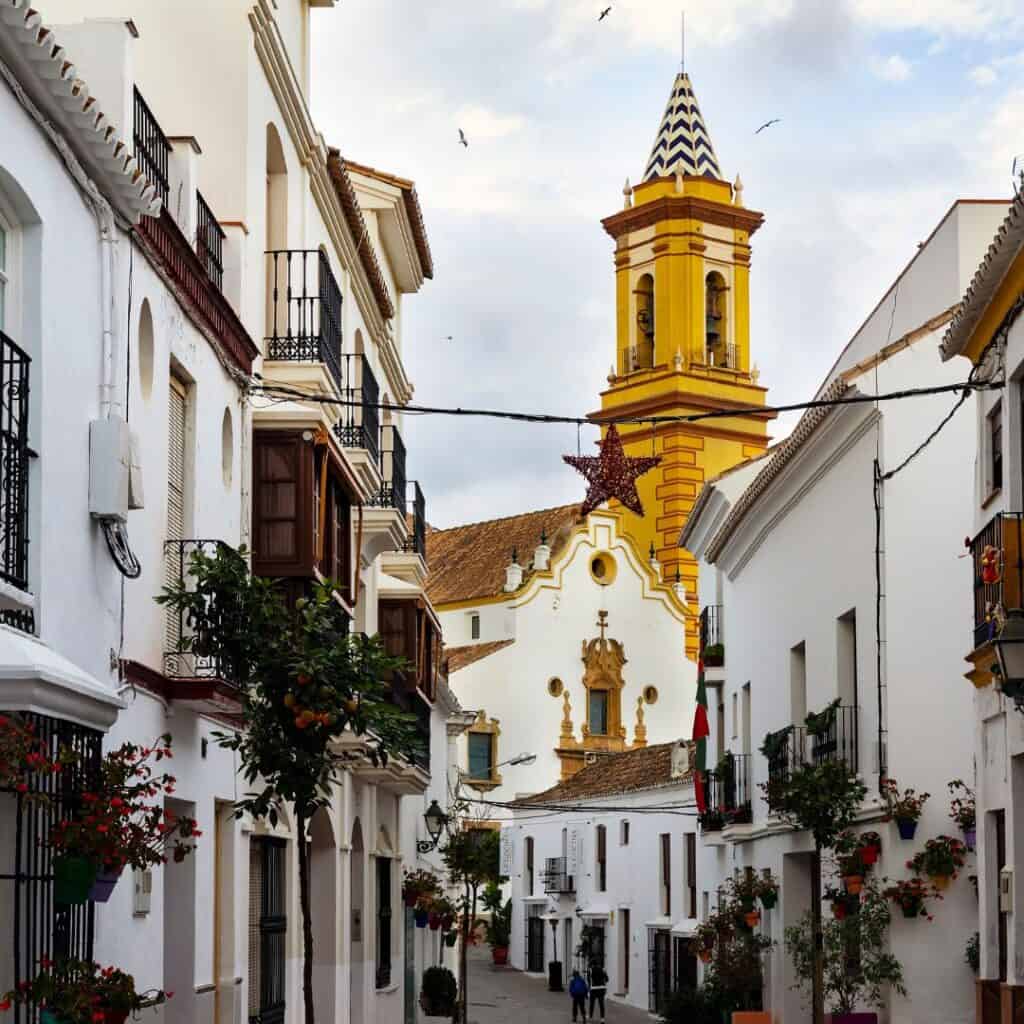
991, 496
483, 784
15, 598
387, 990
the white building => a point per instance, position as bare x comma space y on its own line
270, 254
612, 877
787, 546
563, 639
987, 331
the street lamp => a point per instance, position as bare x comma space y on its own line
436, 821
518, 759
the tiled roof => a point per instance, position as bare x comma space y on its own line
460, 657
1000, 255
683, 143
782, 454
412, 208
357, 225
645, 768
468, 562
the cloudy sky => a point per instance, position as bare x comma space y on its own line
890, 110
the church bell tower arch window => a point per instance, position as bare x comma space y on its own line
718, 345
643, 346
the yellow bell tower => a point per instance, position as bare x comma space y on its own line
682, 283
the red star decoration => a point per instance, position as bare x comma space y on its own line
612, 474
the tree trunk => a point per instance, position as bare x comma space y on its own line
307, 919
818, 977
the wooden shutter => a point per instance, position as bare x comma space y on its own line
177, 410
283, 512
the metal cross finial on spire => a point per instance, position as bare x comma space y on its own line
602, 621
682, 47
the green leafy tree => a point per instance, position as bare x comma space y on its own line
303, 680
822, 799
857, 968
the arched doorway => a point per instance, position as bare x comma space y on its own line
357, 943
323, 874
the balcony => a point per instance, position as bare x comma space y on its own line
304, 311
837, 740
787, 756
416, 542
556, 877
712, 643
384, 520
14, 455
209, 242
736, 802
359, 426
152, 149
1002, 536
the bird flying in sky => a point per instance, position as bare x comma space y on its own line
768, 124
604, 14
463, 139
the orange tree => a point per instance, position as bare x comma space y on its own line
303, 681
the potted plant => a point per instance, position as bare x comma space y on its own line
840, 900
972, 952
711, 820
421, 914
870, 848
23, 754
941, 860
819, 722
119, 825
910, 894
499, 927
437, 996
417, 884
878, 970
703, 941
768, 891
713, 656
962, 810
79, 992
903, 807
450, 938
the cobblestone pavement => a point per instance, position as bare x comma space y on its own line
501, 995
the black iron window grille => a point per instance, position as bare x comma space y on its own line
786, 760
38, 926
392, 468
185, 656
152, 150
268, 940
209, 242
14, 454
710, 626
837, 741
359, 426
737, 805
556, 877
659, 987
305, 310
712, 819
416, 541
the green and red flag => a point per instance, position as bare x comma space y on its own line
701, 729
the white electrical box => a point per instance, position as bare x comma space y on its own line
143, 892
1006, 889
109, 468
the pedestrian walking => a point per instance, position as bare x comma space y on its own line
578, 990
598, 985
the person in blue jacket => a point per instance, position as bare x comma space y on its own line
578, 989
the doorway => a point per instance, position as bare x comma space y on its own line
624, 950
180, 930
568, 948
323, 883
660, 969
534, 940
268, 930
357, 899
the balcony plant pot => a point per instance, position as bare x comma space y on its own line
907, 827
434, 920
854, 884
970, 838
769, 899
103, 887
868, 855
447, 920
752, 918
451, 938
839, 909
422, 918
73, 877
499, 954
851, 1018
410, 898
940, 882
705, 956
713, 656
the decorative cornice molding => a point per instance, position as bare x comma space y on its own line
667, 208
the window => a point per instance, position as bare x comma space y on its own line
798, 683
623, 833
528, 857
666, 874
4, 270
705, 905
846, 657
643, 349
735, 716
177, 422
598, 717
481, 755
601, 844
691, 874
995, 448
383, 922
716, 325
474, 626
745, 719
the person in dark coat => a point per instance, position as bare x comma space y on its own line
578, 990
598, 986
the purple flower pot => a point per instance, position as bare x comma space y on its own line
104, 885
851, 1018
907, 827
970, 837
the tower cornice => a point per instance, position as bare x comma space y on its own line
682, 207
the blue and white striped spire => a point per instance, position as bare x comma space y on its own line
683, 143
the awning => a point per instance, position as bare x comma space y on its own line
597, 910
687, 926
659, 922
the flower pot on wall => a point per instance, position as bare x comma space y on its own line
422, 918
940, 881
752, 918
769, 899
451, 938
851, 1018
73, 877
907, 827
970, 838
499, 954
854, 884
434, 920
751, 1017
868, 855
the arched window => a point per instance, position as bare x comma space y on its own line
717, 346
9, 258
643, 347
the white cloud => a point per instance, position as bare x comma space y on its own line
893, 68
961, 17
480, 123
982, 75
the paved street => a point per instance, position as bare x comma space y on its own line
501, 995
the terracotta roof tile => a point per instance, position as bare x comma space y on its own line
468, 562
645, 768
460, 657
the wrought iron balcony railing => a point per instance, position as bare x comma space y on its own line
711, 635
838, 740
152, 150
392, 470
737, 803
359, 426
416, 541
14, 454
209, 242
789, 756
304, 316
556, 877
997, 557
